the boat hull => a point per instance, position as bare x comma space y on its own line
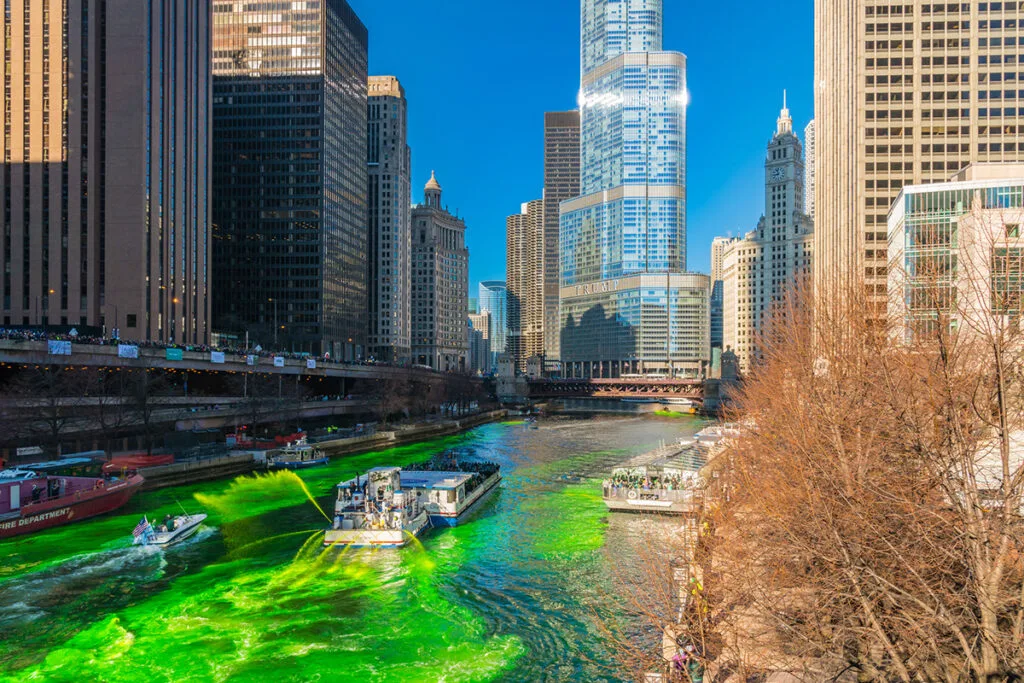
297, 465
661, 507
39, 516
376, 538
472, 505
186, 531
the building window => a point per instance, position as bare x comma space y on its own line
130, 320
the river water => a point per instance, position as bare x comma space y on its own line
508, 596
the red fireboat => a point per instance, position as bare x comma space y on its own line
31, 502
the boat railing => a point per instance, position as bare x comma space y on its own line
680, 495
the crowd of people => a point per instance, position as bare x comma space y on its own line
30, 335
639, 480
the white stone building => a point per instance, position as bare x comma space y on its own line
440, 285
759, 271
389, 199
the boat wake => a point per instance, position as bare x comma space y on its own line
33, 596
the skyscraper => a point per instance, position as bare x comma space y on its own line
809, 155
906, 94
440, 285
480, 342
718, 247
524, 264
494, 301
290, 178
389, 199
105, 167
760, 271
561, 182
625, 236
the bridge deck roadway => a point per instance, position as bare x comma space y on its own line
36, 353
618, 388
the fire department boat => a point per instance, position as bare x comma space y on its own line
391, 506
376, 512
31, 502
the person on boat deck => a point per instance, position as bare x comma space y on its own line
169, 523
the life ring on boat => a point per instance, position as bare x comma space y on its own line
632, 495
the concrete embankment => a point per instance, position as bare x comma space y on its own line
192, 471
235, 464
399, 437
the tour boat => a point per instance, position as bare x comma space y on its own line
297, 455
183, 526
30, 502
451, 495
665, 481
376, 512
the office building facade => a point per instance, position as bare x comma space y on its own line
906, 94
956, 253
390, 200
809, 156
561, 183
494, 302
773, 262
440, 285
718, 248
629, 221
524, 269
480, 343
290, 176
105, 167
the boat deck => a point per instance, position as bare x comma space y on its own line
434, 480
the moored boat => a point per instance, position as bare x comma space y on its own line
376, 512
172, 530
296, 455
31, 502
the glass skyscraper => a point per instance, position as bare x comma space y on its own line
290, 175
630, 219
494, 301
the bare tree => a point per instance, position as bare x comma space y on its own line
55, 393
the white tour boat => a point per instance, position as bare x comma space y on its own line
375, 511
451, 491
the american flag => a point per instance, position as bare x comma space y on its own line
141, 528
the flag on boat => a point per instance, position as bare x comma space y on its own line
141, 528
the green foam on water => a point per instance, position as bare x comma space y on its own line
354, 616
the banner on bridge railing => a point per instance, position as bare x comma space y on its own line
217, 357
278, 361
311, 363
250, 360
58, 348
174, 354
127, 351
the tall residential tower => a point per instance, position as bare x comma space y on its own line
626, 305
561, 182
105, 178
524, 264
390, 201
906, 93
289, 175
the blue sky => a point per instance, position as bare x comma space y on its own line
479, 76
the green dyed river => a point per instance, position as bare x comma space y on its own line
508, 596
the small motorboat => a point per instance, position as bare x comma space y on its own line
172, 531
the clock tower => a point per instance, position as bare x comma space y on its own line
760, 271
784, 179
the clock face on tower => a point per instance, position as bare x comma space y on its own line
778, 174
